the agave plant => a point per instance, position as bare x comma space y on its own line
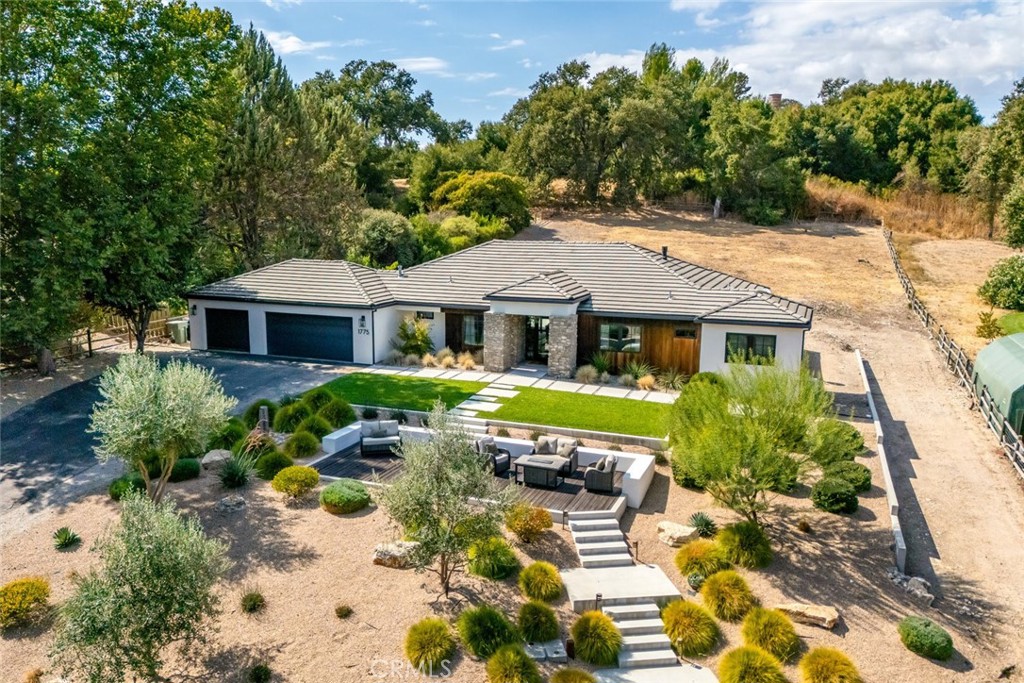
672, 379
602, 362
64, 538
695, 580
704, 525
638, 368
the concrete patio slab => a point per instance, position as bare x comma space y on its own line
617, 586
543, 384
687, 673
481, 406
471, 375
571, 387
501, 385
518, 380
498, 393
587, 389
615, 392
638, 394
491, 377
483, 397
448, 374
430, 372
660, 397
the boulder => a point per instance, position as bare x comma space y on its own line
394, 555
675, 535
822, 616
920, 590
230, 504
215, 459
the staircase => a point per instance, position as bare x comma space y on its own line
644, 643
473, 426
600, 542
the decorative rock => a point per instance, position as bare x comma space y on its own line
555, 651
920, 590
822, 616
229, 504
535, 651
394, 555
215, 459
675, 535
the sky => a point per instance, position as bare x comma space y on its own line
478, 57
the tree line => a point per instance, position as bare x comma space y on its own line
150, 147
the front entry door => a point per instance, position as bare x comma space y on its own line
536, 339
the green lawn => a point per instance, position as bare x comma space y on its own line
583, 411
1012, 323
411, 393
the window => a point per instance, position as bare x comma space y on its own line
755, 348
686, 333
620, 337
473, 330
424, 315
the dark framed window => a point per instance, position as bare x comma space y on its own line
424, 315
753, 348
473, 330
621, 337
686, 333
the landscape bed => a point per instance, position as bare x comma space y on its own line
409, 393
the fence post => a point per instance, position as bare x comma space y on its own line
88, 339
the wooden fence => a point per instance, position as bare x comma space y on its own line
961, 365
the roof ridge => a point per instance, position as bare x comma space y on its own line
768, 297
561, 290
728, 305
355, 278
655, 257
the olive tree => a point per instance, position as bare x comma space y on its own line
153, 589
149, 415
447, 498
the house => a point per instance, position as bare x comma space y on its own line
546, 302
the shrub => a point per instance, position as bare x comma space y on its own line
269, 464
228, 436
251, 416
443, 354
484, 629
492, 558
301, 444
64, 538
291, 416
511, 664
338, 413
236, 471
828, 665
429, 643
428, 360
466, 361
727, 596
572, 675
597, 639
537, 622
672, 379
749, 665
745, 544
344, 496
260, 674
602, 362
704, 525
853, 473
370, 413
535, 435
1004, 287
646, 382
709, 377
400, 417
125, 484
690, 627
487, 193
22, 600
540, 581
587, 374
926, 638
502, 432
342, 611
832, 494
701, 556
638, 369
772, 631
315, 425
628, 381
695, 580
527, 522
255, 445
34, 676
253, 601
413, 339
295, 481
185, 469
831, 440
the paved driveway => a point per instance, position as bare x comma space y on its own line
45, 450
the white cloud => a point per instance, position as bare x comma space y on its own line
509, 92
496, 36
516, 42
355, 42
286, 43
427, 23
694, 5
339, 18
278, 5
529, 63
477, 76
424, 65
599, 61
326, 58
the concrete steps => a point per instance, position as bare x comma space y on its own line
639, 627
647, 658
634, 612
600, 536
623, 559
645, 642
602, 548
597, 524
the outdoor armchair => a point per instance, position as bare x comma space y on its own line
379, 437
600, 477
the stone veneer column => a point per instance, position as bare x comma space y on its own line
497, 341
563, 335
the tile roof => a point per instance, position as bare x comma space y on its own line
612, 278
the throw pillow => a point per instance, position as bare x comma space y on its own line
565, 450
378, 433
600, 464
544, 447
610, 463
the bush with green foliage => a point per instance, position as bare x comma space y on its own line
338, 413
384, 238
429, 644
511, 664
835, 495
251, 416
486, 193
572, 675
370, 413
64, 538
295, 481
228, 435
260, 673
301, 444
185, 469
269, 464
695, 580
772, 631
700, 555
22, 600
828, 665
750, 665
253, 601
745, 544
342, 611
672, 379
855, 474
527, 522
236, 471
538, 623
317, 398
1011, 213
597, 639
492, 558
315, 425
540, 581
706, 376
484, 629
831, 440
1004, 287
704, 525
727, 595
344, 496
291, 416
413, 337
690, 627
125, 484
926, 638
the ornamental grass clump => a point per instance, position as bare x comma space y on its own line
429, 645
727, 595
749, 665
746, 545
236, 471
597, 639
690, 627
270, 463
301, 444
228, 435
295, 481
540, 581
700, 556
926, 638
772, 631
338, 413
253, 601
537, 622
344, 496
511, 664
828, 665
484, 629
315, 425
251, 416
527, 522
317, 398
492, 558
572, 675
291, 416
22, 601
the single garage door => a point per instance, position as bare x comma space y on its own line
227, 330
325, 337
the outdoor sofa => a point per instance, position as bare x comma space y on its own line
561, 447
379, 437
499, 458
600, 477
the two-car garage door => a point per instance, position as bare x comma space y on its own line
323, 337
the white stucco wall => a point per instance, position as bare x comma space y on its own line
386, 326
789, 345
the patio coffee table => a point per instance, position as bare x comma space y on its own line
538, 470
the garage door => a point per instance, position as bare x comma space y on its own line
325, 337
227, 330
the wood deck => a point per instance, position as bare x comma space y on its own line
570, 496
